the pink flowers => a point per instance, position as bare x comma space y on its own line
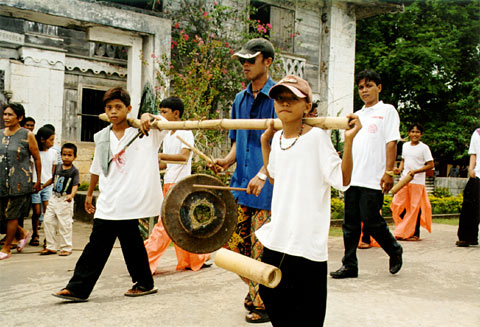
243, 85
177, 25
185, 37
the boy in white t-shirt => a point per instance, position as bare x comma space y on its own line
411, 207
128, 177
173, 150
470, 214
303, 163
374, 152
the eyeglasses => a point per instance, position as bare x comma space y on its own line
249, 60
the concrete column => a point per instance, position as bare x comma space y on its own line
337, 60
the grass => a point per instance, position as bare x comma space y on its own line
446, 221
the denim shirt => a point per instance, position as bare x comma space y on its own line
249, 151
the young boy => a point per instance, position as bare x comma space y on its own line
173, 150
374, 153
303, 164
59, 214
130, 187
412, 200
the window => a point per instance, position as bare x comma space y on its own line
91, 108
282, 21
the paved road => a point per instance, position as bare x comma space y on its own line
439, 285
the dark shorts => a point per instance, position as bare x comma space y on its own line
14, 207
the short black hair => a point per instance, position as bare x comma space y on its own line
17, 108
70, 146
27, 119
50, 126
173, 103
116, 93
417, 125
368, 75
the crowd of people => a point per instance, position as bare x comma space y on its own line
285, 225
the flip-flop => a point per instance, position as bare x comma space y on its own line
70, 297
4, 255
137, 290
23, 242
262, 314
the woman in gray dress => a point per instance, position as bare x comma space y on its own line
16, 185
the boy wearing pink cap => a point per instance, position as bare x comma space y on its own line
303, 164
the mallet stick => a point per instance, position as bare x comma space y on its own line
194, 149
249, 268
401, 183
322, 122
174, 162
215, 187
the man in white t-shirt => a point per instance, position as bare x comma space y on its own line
470, 215
173, 150
374, 152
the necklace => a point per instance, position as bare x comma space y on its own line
296, 139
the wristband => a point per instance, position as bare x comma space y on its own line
262, 176
390, 173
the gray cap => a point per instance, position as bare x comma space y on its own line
254, 47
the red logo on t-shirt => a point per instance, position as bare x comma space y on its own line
372, 128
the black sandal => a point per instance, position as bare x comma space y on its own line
248, 303
262, 316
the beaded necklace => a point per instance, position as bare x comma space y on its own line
296, 139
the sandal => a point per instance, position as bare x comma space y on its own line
257, 316
248, 303
34, 241
65, 294
138, 290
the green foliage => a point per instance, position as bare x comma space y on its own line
428, 58
441, 192
450, 204
440, 205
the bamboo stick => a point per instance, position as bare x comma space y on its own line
174, 162
401, 183
194, 149
217, 187
322, 122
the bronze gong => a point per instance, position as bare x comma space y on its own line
199, 220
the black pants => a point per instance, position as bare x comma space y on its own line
364, 204
301, 297
470, 214
95, 255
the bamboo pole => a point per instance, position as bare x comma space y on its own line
322, 122
217, 187
194, 149
401, 183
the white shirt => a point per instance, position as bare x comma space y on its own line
132, 188
415, 157
172, 145
475, 149
380, 125
48, 159
303, 175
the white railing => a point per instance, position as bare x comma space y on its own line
293, 65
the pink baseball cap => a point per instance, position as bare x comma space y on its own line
297, 85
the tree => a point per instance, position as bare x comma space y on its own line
428, 57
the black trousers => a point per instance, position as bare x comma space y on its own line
364, 204
301, 297
470, 214
95, 255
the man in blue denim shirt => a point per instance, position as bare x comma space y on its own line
256, 56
